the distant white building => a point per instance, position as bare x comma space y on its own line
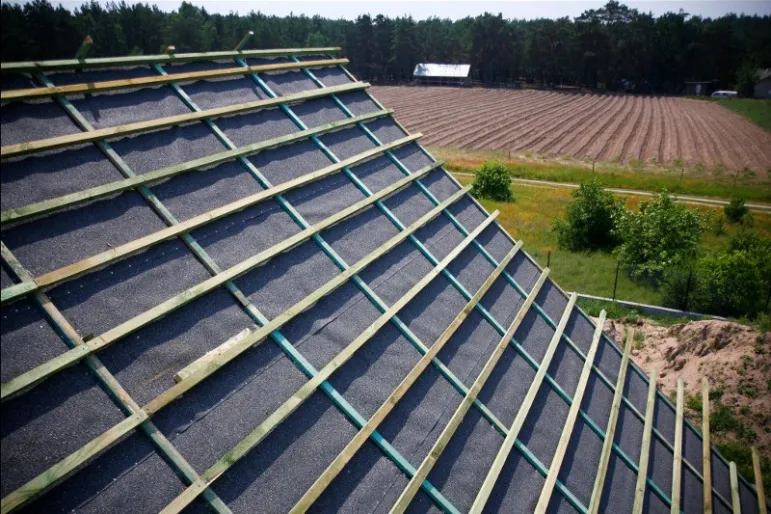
763, 84
429, 73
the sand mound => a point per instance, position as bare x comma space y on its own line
735, 358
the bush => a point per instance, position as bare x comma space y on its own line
736, 210
492, 182
588, 223
661, 236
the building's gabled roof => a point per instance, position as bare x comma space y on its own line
253, 291
431, 69
763, 74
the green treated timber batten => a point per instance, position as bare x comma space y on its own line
100, 443
94, 262
762, 508
735, 498
524, 409
329, 474
607, 445
706, 450
146, 126
16, 291
96, 193
460, 412
10, 95
645, 446
134, 60
290, 405
677, 454
36, 375
567, 431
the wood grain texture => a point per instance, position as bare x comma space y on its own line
762, 506
645, 445
11, 95
706, 449
735, 498
677, 454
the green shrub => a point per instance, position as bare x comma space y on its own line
735, 210
588, 223
663, 235
492, 182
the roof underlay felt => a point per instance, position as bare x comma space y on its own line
300, 322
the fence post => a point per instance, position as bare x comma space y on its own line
615, 282
687, 289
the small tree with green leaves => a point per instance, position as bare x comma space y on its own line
492, 182
735, 210
661, 236
588, 222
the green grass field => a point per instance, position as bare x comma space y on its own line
645, 178
530, 219
757, 111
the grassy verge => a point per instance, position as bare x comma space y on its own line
757, 111
530, 219
645, 178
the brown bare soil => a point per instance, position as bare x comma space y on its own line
648, 129
736, 360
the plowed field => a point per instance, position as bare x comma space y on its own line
583, 126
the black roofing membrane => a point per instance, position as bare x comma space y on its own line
64, 412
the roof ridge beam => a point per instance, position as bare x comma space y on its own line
136, 60
94, 262
95, 193
11, 95
96, 446
179, 119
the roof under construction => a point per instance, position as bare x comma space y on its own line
233, 282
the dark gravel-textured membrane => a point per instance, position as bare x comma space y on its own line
129, 106
28, 340
30, 121
256, 126
130, 476
45, 244
321, 199
53, 174
385, 130
358, 102
412, 157
290, 161
210, 94
318, 112
6, 280
331, 76
286, 83
347, 142
64, 78
377, 173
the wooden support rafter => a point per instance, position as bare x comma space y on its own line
762, 508
12, 95
329, 474
96, 446
524, 409
38, 374
607, 445
735, 498
98, 261
460, 412
139, 127
645, 446
677, 454
19, 214
137, 60
706, 449
567, 431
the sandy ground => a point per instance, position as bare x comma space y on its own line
584, 126
734, 357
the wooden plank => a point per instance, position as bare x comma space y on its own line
95, 193
290, 405
168, 121
38, 374
762, 508
100, 443
16, 291
567, 431
645, 446
460, 412
607, 445
735, 499
524, 409
329, 474
211, 355
10, 95
136, 60
89, 264
706, 449
677, 454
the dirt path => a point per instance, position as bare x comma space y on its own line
605, 127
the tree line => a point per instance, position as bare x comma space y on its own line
613, 47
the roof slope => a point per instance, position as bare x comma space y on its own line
255, 291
